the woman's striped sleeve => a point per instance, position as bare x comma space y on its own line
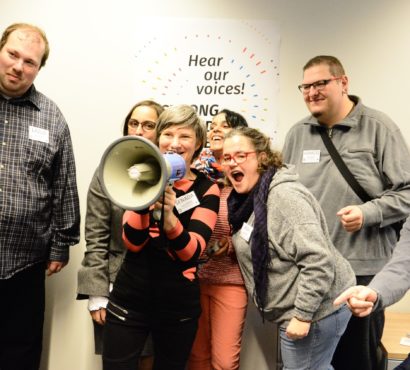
188, 244
135, 230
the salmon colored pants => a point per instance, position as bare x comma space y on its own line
217, 343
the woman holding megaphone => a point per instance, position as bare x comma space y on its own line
103, 234
156, 290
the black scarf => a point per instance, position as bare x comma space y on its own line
240, 208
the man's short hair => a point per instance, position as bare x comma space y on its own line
29, 27
335, 67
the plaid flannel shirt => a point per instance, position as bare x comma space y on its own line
39, 207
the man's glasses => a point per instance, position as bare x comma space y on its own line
238, 158
146, 125
318, 85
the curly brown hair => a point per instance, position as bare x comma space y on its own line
262, 144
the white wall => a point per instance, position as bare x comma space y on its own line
88, 75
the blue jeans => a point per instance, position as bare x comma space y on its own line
315, 351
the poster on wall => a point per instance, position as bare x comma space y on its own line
210, 64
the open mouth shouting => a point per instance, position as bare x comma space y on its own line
237, 176
240, 161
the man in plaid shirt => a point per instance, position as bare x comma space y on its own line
39, 209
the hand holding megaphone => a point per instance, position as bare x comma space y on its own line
166, 203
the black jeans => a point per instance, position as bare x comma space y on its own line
359, 347
21, 319
126, 331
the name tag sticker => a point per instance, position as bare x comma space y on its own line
186, 202
38, 134
246, 231
311, 156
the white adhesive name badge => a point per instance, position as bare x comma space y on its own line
246, 231
186, 202
311, 156
38, 134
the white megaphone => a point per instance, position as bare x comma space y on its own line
134, 173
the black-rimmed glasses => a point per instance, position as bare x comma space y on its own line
317, 85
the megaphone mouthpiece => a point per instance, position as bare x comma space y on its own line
147, 172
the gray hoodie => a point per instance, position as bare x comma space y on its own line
306, 272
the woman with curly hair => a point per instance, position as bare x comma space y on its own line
290, 266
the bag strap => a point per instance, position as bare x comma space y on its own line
342, 167
348, 176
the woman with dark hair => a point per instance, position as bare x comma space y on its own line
288, 261
103, 234
156, 290
223, 295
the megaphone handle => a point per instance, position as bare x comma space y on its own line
157, 214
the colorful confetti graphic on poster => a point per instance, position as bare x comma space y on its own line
211, 64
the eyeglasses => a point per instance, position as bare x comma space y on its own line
318, 85
146, 125
238, 158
